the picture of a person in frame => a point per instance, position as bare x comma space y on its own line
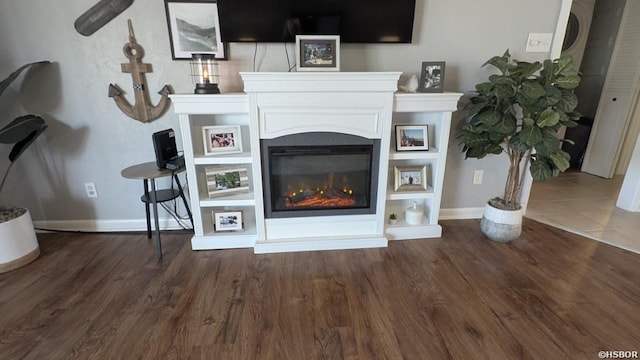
412, 137
432, 79
410, 178
222, 140
318, 54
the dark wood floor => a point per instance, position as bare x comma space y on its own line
547, 295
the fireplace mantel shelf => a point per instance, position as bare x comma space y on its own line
363, 104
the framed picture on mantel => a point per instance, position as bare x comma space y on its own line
226, 180
410, 178
227, 221
412, 138
221, 139
432, 77
318, 53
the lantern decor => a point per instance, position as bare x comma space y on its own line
205, 74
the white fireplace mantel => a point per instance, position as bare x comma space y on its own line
276, 104
320, 82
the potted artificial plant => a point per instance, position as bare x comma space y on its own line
518, 112
18, 242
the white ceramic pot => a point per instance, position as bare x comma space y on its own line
501, 225
414, 215
18, 243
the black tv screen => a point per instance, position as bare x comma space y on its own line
356, 21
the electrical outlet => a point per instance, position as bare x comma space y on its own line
477, 177
91, 190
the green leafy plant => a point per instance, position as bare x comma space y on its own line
21, 131
519, 112
393, 216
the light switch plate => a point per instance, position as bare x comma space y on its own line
539, 42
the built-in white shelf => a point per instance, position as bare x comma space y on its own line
410, 195
240, 158
243, 199
433, 153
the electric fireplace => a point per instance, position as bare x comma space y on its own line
319, 174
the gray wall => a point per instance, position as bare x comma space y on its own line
90, 140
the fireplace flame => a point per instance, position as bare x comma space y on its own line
323, 198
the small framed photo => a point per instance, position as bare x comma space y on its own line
194, 27
410, 178
432, 78
412, 138
227, 221
317, 52
221, 139
226, 180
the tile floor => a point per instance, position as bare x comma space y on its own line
585, 204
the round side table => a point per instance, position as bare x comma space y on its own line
149, 172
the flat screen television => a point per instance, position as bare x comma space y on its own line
356, 21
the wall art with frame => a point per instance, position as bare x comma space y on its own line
318, 53
432, 77
412, 137
227, 221
226, 180
194, 27
221, 139
410, 178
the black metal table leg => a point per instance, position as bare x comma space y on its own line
184, 199
146, 207
155, 216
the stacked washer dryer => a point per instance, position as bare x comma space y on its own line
575, 42
575, 39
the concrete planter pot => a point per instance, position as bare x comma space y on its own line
501, 225
18, 242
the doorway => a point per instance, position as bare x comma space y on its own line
593, 53
577, 201
611, 105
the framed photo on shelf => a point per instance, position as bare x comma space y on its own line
317, 52
221, 139
412, 137
194, 27
226, 180
227, 221
432, 78
410, 178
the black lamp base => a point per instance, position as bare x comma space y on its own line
206, 89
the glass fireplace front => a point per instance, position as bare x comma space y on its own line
336, 178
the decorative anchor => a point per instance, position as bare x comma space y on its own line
142, 110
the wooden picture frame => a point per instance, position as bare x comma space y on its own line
227, 221
410, 178
432, 77
412, 137
221, 139
226, 180
194, 27
317, 52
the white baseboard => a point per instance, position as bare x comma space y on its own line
105, 225
461, 213
172, 224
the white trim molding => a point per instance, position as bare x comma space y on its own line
104, 225
461, 213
